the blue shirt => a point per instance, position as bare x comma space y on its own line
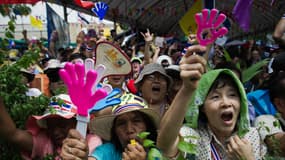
107, 151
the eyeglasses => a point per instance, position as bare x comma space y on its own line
158, 77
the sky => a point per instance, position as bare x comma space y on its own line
39, 10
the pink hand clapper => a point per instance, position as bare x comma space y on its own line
80, 86
209, 23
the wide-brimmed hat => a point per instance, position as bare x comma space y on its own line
173, 71
59, 106
53, 66
152, 68
129, 103
52, 63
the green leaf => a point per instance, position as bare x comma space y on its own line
187, 147
227, 55
9, 34
11, 25
143, 135
148, 143
253, 70
154, 154
276, 124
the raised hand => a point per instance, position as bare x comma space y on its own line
74, 146
80, 90
209, 23
148, 37
100, 9
134, 152
240, 149
192, 66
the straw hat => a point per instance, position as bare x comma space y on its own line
129, 102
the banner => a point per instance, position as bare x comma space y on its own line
187, 22
37, 23
56, 23
18, 1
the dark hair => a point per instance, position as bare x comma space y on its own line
150, 127
30, 77
277, 86
76, 55
53, 74
231, 66
221, 81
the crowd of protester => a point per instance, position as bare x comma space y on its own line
231, 115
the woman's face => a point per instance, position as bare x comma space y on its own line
255, 55
58, 129
154, 88
116, 81
128, 125
222, 108
136, 67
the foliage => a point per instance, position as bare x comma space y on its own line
187, 147
153, 153
21, 10
12, 90
13, 10
253, 70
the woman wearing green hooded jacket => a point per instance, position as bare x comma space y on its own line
215, 108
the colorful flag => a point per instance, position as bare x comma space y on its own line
241, 12
56, 23
37, 23
187, 22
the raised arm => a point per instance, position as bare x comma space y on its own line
148, 37
192, 67
8, 131
156, 53
133, 51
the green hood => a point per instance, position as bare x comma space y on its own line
201, 93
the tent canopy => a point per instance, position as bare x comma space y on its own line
162, 16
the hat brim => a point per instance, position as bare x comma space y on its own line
136, 60
173, 72
102, 126
41, 120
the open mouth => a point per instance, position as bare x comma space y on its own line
227, 116
155, 88
116, 79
